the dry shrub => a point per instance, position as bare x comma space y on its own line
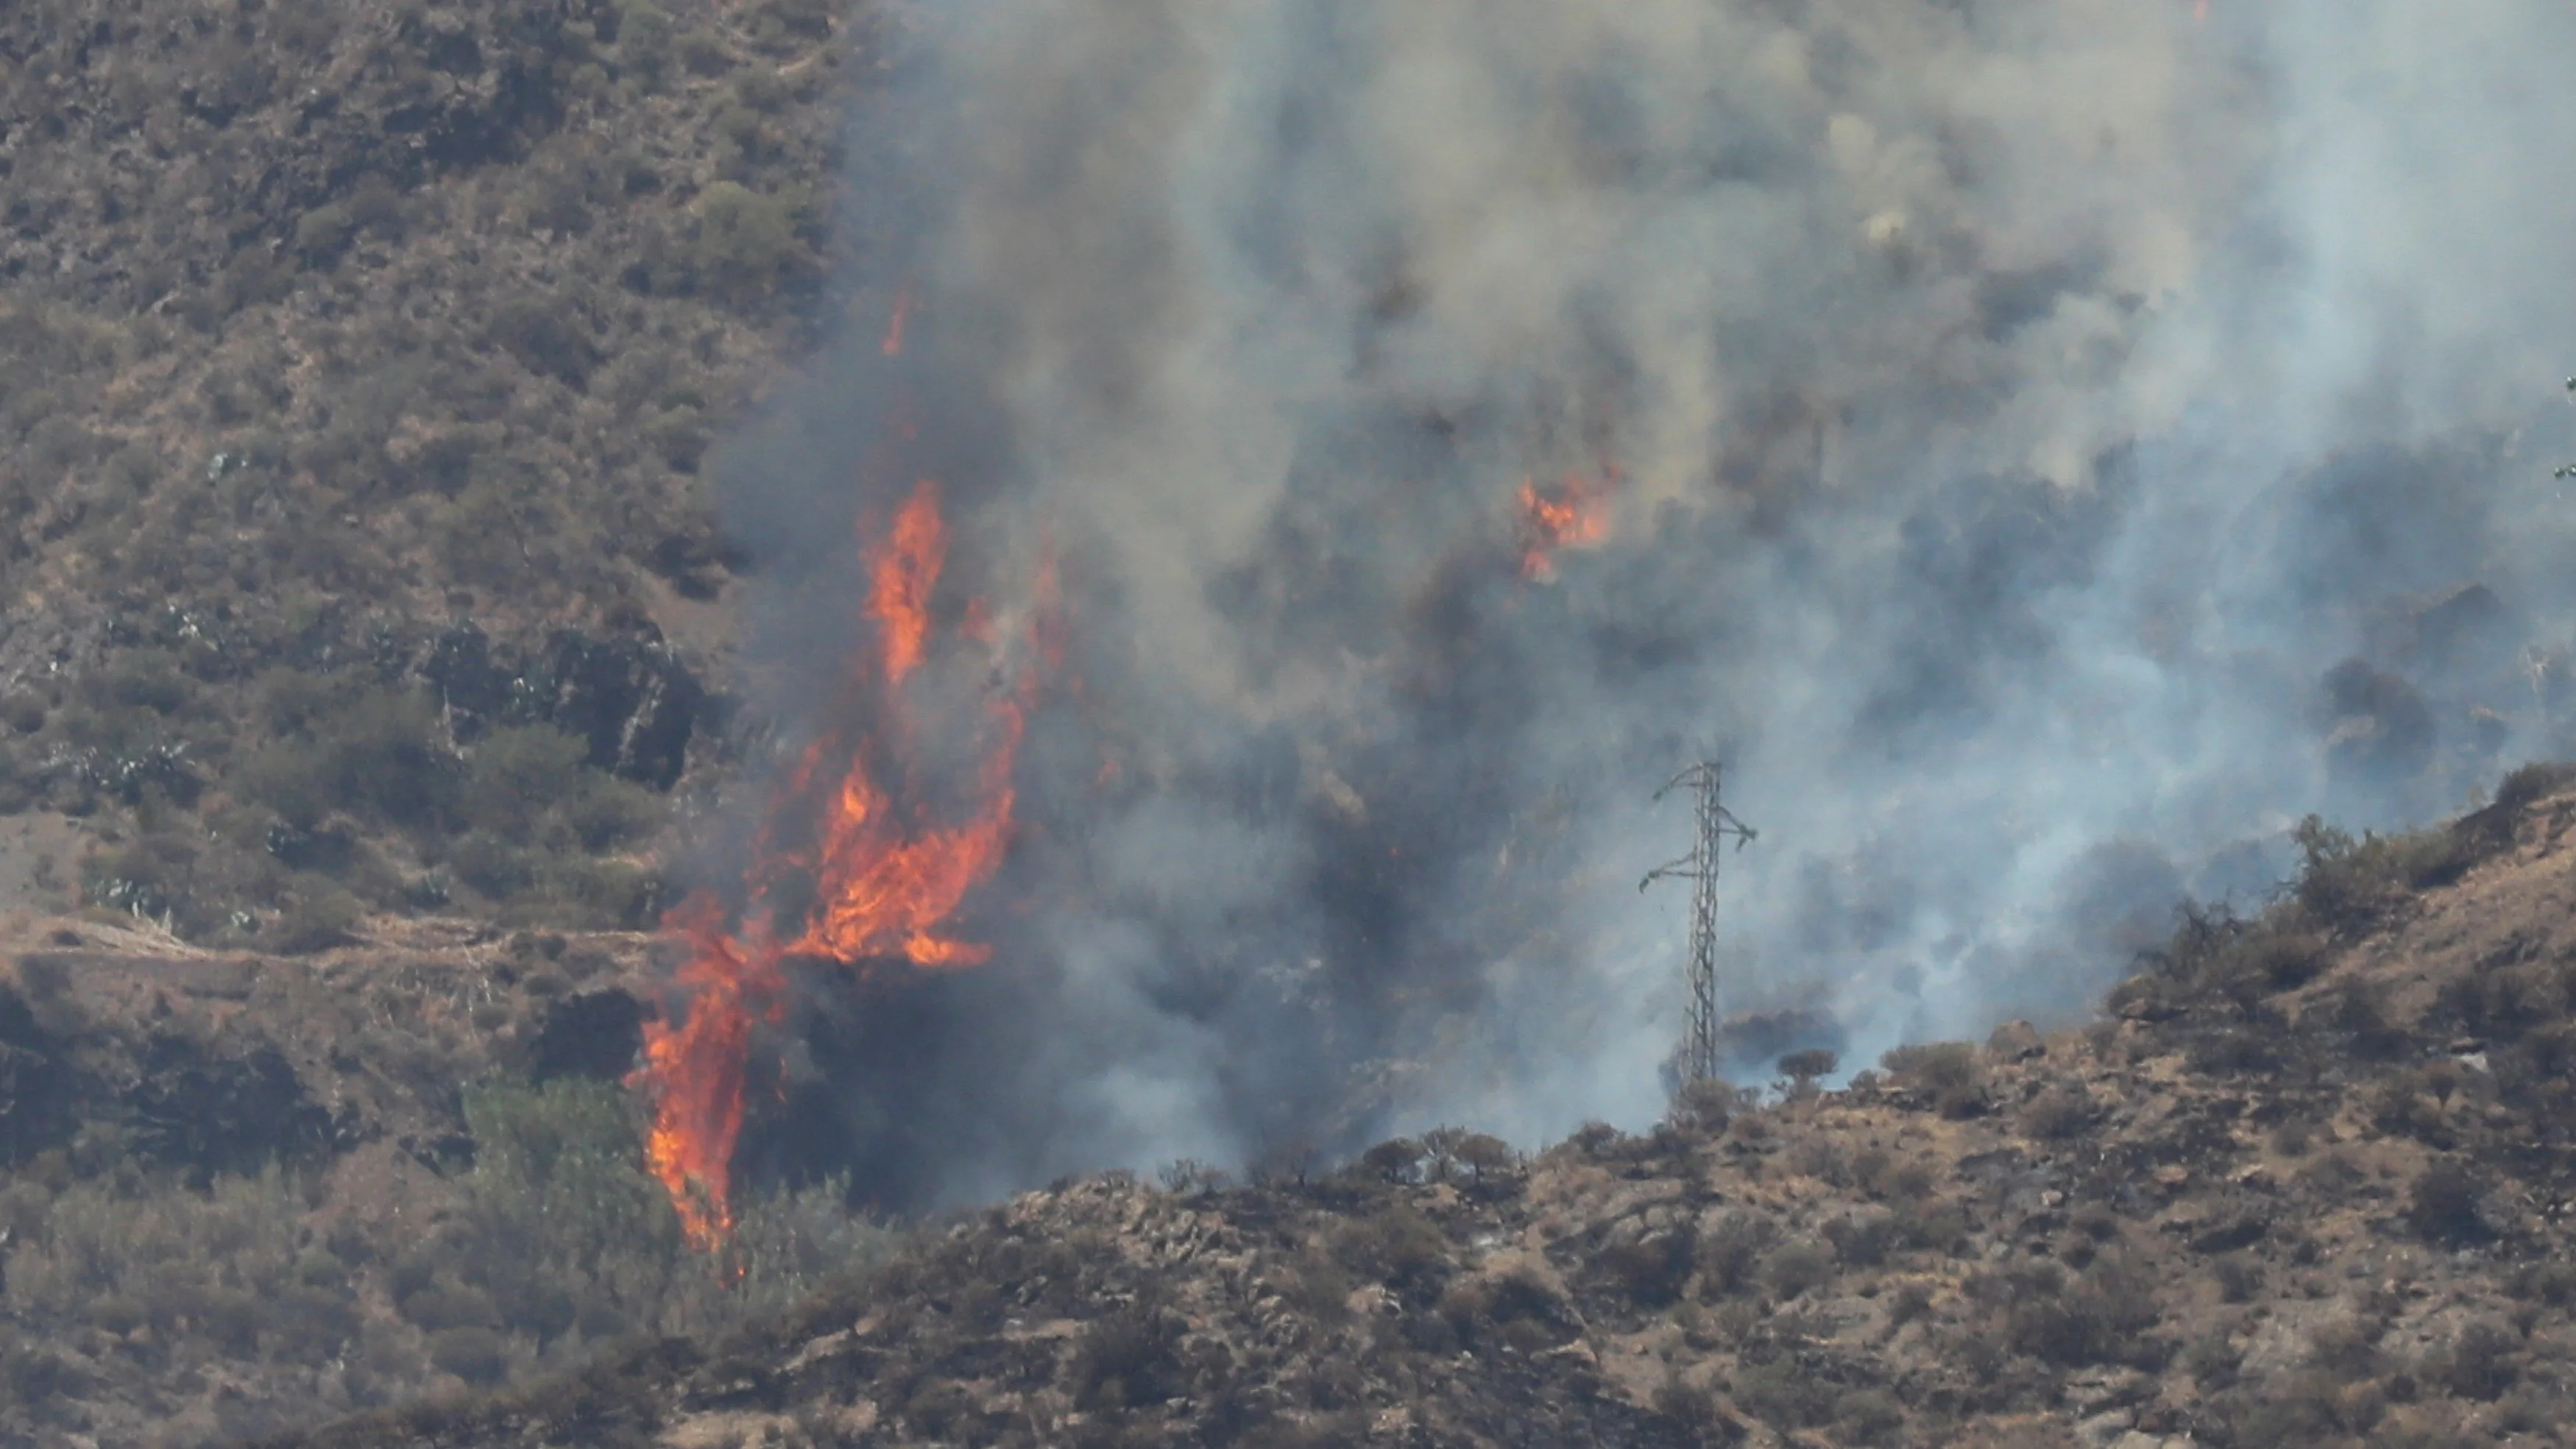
1799, 1267
1396, 1245
2348, 883
2101, 1317
1703, 1105
1729, 1252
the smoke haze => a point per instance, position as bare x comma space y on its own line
2042, 448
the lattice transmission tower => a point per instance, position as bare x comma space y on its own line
1698, 1061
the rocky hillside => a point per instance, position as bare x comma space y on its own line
240, 1193
358, 359
2305, 1185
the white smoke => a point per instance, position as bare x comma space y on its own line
2017, 410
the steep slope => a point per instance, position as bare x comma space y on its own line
240, 1193
357, 361
2307, 1186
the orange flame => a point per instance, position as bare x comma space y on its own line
1573, 515
906, 571
696, 1069
885, 883
893, 346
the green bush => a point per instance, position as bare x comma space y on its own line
750, 244
560, 1211
152, 1254
515, 777
374, 750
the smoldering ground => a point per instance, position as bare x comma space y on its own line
2044, 449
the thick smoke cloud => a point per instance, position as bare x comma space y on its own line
2049, 447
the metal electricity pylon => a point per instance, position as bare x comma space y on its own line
1699, 1051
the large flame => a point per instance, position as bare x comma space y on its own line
906, 571
1574, 514
885, 879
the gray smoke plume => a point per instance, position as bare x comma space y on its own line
2045, 448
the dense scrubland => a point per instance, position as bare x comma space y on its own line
359, 365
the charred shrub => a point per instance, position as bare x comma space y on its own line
2552, 1283
1128, 1358
1693, 1410
2481, 1363
1805, 1068
1868, 1417
1515, 1310
1702, 1105
476, 1355
1935, 1226
2360, 1011
1890, 1178
1398, 1160
2214, 952
2234, 1046
2099, 1318
2503, 1003
2239, 1278
2446, 1206
2348, 883
1650, 1270
1946, 1072
1864, 1241
2059, 1112
1782, 1394
1798, 1268
1317, 1287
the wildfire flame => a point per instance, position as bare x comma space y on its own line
899, 593
1574, 514
893, 344
885, 882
